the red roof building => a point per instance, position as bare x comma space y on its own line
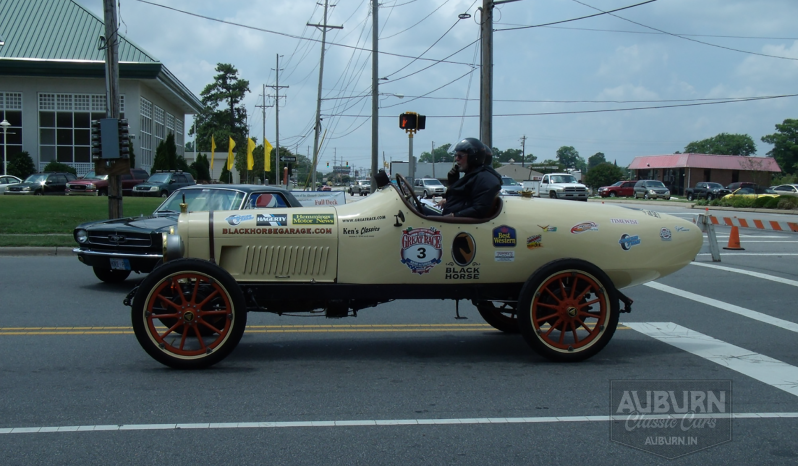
680, 171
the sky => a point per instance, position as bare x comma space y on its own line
642, 81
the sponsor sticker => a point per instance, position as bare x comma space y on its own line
504, 256
548, 228
462, 273
421, 249
624, 221
651, 213
271, 220
665, 234
504, 237
277, 231
464, 249
627, 241
363, 219
236, 219
681, 228
534, 242
671, 418
366, 231
584, 226
313, 219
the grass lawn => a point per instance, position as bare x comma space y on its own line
49, 220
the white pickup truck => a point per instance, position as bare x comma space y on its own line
561, 186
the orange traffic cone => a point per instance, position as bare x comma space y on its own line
734, 240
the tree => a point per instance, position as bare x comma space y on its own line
723, 144
59, 167
441, 153
21, 165
569, 158
595, 159
201, 168
223, 115
785, 145
165, 155
603, 174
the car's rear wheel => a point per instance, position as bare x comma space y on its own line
568, 310
207, 308
110, 275
503, 317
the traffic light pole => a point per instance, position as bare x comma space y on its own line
411, 169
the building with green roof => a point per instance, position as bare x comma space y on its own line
52, 84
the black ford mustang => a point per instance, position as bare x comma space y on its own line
116, 247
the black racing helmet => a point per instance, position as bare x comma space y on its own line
477, 153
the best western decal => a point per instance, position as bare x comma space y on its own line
627, 241
236, 219
271, 220
313, 219
583, 227
504, 237
421, 249
277, 231
464, 249
534, 242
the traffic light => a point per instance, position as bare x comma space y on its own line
328, 164
412, 121
124, 139
96, 141
347, 164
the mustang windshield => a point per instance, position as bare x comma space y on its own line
202, 200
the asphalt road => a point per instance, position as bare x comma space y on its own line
421, 386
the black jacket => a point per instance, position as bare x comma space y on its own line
473, 194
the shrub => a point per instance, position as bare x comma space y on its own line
771, 203
59, 167
743, 202
787, 202
761, 202
21, 165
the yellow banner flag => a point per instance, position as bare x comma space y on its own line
250, 149
213, 151
230, 155
267, 155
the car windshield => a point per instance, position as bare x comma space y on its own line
159, 178
655, 184
618, 183
433, 182
202, 200
38, 178
508, 182
94, 176
714, 186
563, 179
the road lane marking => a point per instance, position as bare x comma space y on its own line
772, 278
781, 323
360, 423
771, 371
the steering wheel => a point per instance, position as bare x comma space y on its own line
407, 191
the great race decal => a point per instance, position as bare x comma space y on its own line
504, 237
421, 249
584, 226
627, 241
665, 234
271, 220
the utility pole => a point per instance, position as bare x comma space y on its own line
375, 80
263, 110
523, 150
276, 88
433, 158
323, 26
121, 165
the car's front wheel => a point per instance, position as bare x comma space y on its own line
110, 275
690, 196
710, 197
552, 195
612, 194
568, 310
204, 307
164, 194
426, 194
646, 196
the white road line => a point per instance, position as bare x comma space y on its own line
772, 278
758, 366
781, 323
354, 423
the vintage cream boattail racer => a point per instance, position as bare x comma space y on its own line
549, 269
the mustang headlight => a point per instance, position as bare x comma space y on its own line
172, 247
81, 236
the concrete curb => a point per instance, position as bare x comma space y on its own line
32, 251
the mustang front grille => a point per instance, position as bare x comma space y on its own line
117, 239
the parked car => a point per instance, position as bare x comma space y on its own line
360, 187
706, 190
618, 189
115, 248
739, 184
93, 184
426, 188
163, 183
7, 180
562, 186
510, 187
752, 192
786, 189
651, 189
39, 184
558, 284
324, 187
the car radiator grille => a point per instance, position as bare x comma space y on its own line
77, 187
294, 261
120, 240
572, 189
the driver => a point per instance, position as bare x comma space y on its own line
473, 194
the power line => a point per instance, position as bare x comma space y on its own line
573, 19
656, 33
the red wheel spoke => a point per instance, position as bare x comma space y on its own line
550, 306
166, 301
573, 286
573, 331
183, 339
583, 325
220, 312
207, 325
199, 338
590, 303
562, 332
542, 320
208, 298
551, 293
552, 328
196, 291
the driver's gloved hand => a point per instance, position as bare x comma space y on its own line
453, 176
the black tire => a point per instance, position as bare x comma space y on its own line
646, 196
181, 285
710, 197
426, 195
504, 318
612, 194
552, 195
102, 192
558, 301
110, 275
38, 193
164, 194
690, 196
